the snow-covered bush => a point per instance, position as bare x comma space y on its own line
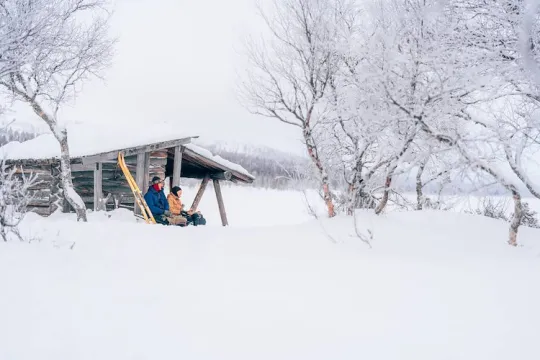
529, 216
15, 197
494, 208
497, 208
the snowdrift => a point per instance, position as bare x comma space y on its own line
434, 286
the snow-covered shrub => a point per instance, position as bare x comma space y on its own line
14, 199
494, 208
529, 217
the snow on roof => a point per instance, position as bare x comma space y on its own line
40, 148
85, 141
218, 159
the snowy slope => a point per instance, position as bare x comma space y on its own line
245, 147
434, 286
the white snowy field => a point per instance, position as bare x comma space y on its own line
276, 284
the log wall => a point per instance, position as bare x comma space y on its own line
47, 192
114, 181
41, 190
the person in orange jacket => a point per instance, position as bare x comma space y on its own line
177, 208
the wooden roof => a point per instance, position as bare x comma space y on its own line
196, 162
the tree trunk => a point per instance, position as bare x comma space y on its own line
516, 220
57, 197
352, 199
70, 194
355, 189
325, 182
419, 187
358, 197
379, 209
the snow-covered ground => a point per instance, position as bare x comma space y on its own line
276, 284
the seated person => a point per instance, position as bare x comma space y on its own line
177, 208
158, 205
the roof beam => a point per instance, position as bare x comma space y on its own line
211, 163
110, 155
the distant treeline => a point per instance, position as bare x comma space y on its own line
272, 168
8, 135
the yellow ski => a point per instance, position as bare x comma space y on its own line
139, 199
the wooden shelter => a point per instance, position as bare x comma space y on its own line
101, 183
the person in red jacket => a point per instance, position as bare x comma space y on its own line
159, 206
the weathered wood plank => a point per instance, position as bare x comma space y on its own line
109, 155
41, 193
41, 210
30, 171
177, 169
146, 173
38, 176
221, 204
159, 155
141, 175
42, 185
98, 188
226, 175
89, 182
140, 172
106, 174
39, 202
213, 166
200, 193
80, 167
33, 162
124, 197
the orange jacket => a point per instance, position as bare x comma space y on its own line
175, 204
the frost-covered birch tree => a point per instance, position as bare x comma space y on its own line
48, 49
389, 83
291, 71
481, 39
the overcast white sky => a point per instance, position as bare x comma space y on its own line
175, 66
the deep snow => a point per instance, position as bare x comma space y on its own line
435, 285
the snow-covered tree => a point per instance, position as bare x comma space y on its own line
15, 197
48, 48
291, 71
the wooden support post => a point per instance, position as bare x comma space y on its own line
219, 196
200, 193
98, 188
177, 169
141, 175
146, 179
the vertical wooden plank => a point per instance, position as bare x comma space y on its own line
146, 179
98, 185
139, 172
219, 196
200, 193
140, 175
177, 169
